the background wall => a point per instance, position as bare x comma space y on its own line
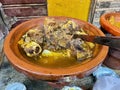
103, 6
26, 9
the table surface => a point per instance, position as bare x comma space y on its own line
9, 75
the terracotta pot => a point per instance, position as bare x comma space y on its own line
34, 71
106, 24
58, 85
113, 60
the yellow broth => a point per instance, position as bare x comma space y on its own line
53, 62
114, 22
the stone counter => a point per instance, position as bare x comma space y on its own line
9, 75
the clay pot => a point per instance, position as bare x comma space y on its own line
58, 85
113, 59
34, 71
106, 24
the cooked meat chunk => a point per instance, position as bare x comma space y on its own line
32, 49
35, 35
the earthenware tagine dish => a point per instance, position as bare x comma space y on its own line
110, 21
35, 71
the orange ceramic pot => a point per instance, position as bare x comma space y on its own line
113, 59
34, 71
106, 24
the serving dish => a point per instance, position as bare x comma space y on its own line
34, 71
112, 59
104, 21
